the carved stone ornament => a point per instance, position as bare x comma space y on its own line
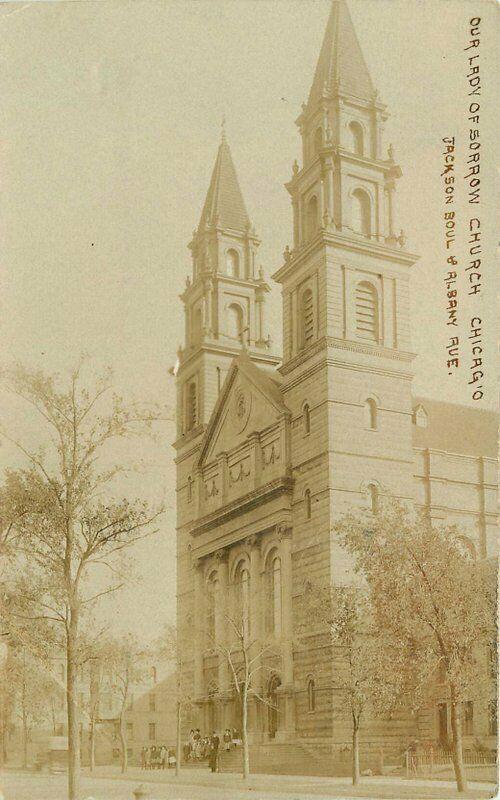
252, 541
283, 531
242, 404
222, 555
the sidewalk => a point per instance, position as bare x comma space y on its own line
370, 787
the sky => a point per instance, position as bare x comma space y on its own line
111, 122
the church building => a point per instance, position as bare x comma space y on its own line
272, 448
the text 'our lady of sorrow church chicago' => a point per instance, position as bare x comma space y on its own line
270, 450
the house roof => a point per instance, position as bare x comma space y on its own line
224, 204
341, 62
457, 428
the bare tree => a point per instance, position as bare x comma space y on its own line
244, 656
69, 523
431, 597
126, 666
167, 649
369, 669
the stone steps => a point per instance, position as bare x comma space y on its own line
297, 759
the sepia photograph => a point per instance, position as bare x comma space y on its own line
249, 400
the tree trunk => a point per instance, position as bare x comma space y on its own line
53, 717
25, 740
72, 707
92, 744
456, 729
179, 739
244, 733
123, 743
24, 714
355, 753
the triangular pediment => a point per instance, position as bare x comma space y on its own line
250, 401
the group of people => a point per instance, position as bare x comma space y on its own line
201, 748
157, 757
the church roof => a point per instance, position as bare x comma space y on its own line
457, 429
224, 204
271, 386
268, 385
341, 61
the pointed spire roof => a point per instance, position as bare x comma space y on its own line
341, 62
224, 204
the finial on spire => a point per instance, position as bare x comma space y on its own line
223, 129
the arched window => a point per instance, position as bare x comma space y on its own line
361, 212
371, 414
318, 140
274, 604
189, 488
233, 263
356, 131
367, 317
242, 582
374, 496
311, 217
311, 695
306, 318
153, 674
191, 406
234, 320
210, 608
307, 503
306, 418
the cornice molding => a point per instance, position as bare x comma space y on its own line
188, 438
259, 356
348, 242
241, 505
327, 342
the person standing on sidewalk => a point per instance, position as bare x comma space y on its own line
213, 752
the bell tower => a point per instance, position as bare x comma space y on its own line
224, 298
345, 286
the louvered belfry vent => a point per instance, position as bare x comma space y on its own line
366, 312
307, 317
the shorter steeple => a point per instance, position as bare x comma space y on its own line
341, 64
224, 205
224, 300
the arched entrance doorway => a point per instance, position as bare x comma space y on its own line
272, 709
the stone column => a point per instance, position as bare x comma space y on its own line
328, 182
222, 458
256, 636
255, 457
208, 308
349, 304
220, 615
300, 220
255, 589
287, 687
198, 634
390, 190
295, 208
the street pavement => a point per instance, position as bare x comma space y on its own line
204, 786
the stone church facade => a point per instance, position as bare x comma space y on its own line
270, 450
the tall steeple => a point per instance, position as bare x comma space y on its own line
341, 64
224, 299
345, 283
